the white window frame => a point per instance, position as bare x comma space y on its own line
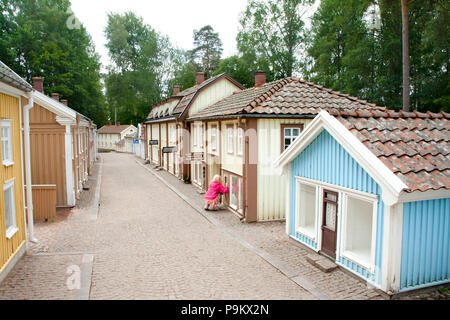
236, 206
11, 230
230, 139
299, 229
200, 126
194, 135
6, 123
368, 265
240, 141
214, 137
291, 136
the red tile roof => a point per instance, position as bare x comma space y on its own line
415, 146
289, 96
113, 129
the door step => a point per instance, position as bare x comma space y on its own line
321, 263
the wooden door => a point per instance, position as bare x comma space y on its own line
329, 225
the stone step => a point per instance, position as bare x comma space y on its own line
321, 263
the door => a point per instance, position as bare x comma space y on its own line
329, 226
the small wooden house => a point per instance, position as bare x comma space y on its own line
371, 190
241, 136
113, 137
14, 102
169, 136
62, 146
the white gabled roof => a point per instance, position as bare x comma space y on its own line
391, 185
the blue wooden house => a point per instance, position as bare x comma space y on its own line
371, 190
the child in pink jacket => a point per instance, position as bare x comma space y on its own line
212, 196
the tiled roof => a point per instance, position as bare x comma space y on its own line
415, 146
186, 97
113, 129
10, 77
289, 96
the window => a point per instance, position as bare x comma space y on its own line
10, 209
200, 128
236, 198
214, 137
7, 155
230, 144
358, 239
240, 142
306, 209
194, 135
289, 134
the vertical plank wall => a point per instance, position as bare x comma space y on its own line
10, 109
47, 141
425, 244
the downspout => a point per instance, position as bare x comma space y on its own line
26, 121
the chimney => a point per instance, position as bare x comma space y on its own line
64, 101
200, 77
176, 90
260, 78
38, 84
109, 123
55, 96
118, 123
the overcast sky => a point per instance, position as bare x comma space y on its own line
174, 18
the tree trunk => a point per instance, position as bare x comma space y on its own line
405, 33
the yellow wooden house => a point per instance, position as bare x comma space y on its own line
14, 103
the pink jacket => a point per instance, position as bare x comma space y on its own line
214, 189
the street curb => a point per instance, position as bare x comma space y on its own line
86, 277
289, 273
96, 205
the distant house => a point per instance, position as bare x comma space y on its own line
15, 95
240, 136
64, 138
371, 190
113, 137
168, 134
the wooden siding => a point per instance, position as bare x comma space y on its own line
230, 162
271, 204
44, 202
212, 94
425, 244
10, 109
325, 160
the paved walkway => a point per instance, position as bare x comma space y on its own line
145, 243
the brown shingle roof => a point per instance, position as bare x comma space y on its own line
289, 96
415, 146
113, 129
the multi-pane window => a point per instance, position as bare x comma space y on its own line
214, 137
290, 134
200, 128
10, 210
7, 155
230, 142
240, 141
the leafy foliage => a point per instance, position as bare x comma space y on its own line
36, 41
207, 50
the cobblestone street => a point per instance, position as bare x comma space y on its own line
146, 243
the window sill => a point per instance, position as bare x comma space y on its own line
355, 259
8, 163
11, 232
305, 232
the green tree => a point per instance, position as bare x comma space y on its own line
340, 47
135, 78
273, 30
207, 50
39, 42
